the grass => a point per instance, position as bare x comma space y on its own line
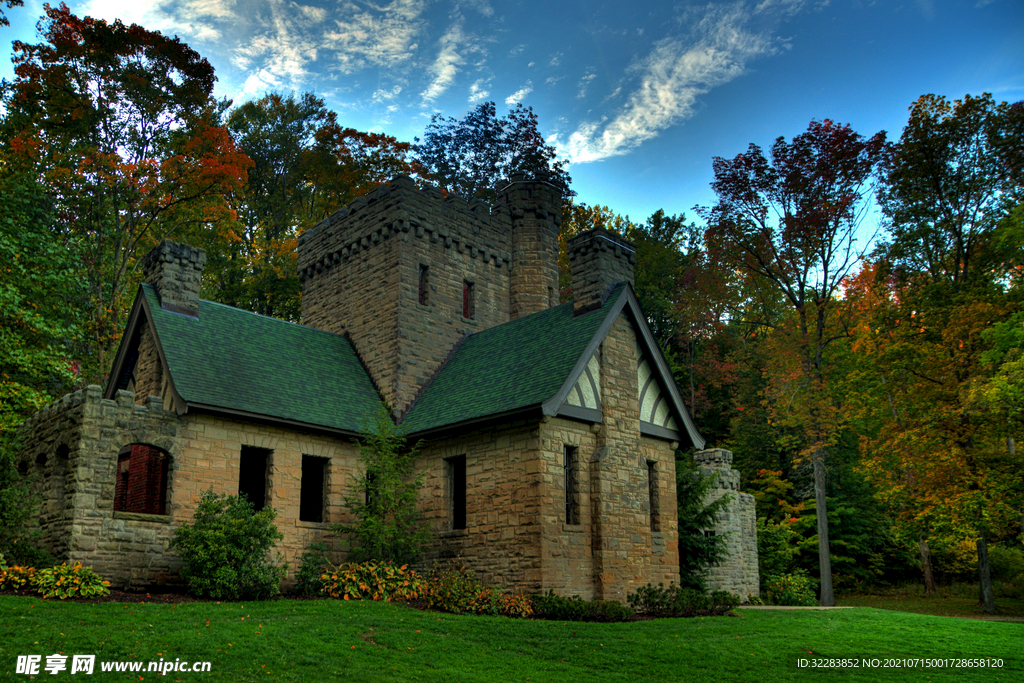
958, 600
325, 640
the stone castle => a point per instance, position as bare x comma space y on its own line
548, 430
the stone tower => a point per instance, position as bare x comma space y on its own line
406, 273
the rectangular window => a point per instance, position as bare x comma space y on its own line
457, 490
252, 475
311, 498
468, 305
572, 507
652, 495
424, 284
141, 485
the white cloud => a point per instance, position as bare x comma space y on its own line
374, 35
671, 78
382, 95
446, 65
478, 91
518, 95
584, 82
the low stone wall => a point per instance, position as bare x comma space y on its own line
73, 445
738, 573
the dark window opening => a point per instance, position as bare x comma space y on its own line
571, 504
468, 305
311, 498
41, 459
652, 496
23, 467
141, 483
457, 490
371, 490
252, 475
709, 533
424, 284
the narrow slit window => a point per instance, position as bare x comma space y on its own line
468, 305
424, 285
652, 495
571, 503
311, 495
252, 475
457, 490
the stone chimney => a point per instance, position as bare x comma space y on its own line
175, 271
599, 259
536, 210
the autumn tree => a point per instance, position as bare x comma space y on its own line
117, 120
952, 184
467, 157
306, 166
791, 222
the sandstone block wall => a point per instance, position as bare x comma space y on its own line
739, 573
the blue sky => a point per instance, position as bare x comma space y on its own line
638, 96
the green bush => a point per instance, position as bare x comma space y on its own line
313, 564
557, 608
456, 590
16, 577
795, 590
1005, 563
372, 581
225, 549
677, 601
69, 581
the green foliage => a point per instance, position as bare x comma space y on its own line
776, 547
16, 577
69, 581
677, 601
796, 589
1007, 563
388, 525
557, 608
454, 589
313, 564
467, 157
225, 549
372, 581
696, 550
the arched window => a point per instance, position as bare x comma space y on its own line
141, 480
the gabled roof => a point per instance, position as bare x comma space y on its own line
233, 361
533, 363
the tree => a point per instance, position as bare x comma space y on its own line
4, 21
697, 550
306, 166
466, 158
952, 184
383, 498
790, 223
118, 121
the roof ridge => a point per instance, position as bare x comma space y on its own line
444, 363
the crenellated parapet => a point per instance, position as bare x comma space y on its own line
475, 229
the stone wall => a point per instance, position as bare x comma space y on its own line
74, 444
739, 573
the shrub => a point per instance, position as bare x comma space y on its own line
14, 578
372, 581
455, 590
676, 601
557, 608
67, 581
313, 564
795, 589
225, 549
388, 527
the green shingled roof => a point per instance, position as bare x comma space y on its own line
506, 368
240, 361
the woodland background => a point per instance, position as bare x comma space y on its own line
871, 398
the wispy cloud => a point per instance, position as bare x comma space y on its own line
581, 91
446, 65
671, 78
518, 95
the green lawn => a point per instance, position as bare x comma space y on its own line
960, 600
363, 641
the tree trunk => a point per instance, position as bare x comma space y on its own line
926, 565
988, 601
827, 599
